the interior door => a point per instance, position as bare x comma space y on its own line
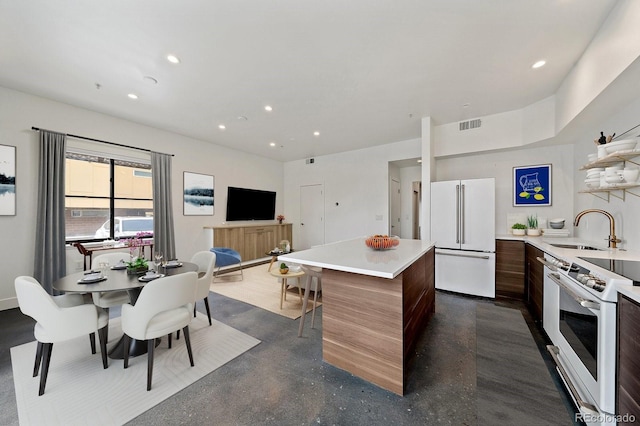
394, 207
311, 216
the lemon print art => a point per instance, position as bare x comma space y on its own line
532, 185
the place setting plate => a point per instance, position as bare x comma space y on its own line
172, 264
92, 278
150, 277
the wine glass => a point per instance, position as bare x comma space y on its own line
158, 260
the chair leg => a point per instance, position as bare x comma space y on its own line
206, 305
178, 335
169, 338
92, 340
36, 364
187, 340
126, 340
102, 336
194, 310
46, 360
151, 344
315, 300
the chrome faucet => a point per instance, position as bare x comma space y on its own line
613, 241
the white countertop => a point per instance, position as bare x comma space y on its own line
354, 256
571, 255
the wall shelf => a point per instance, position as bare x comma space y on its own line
613, 158
618, 190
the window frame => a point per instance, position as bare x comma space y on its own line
112, 161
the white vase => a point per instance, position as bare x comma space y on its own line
533, 232
519, 232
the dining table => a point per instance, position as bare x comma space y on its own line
115, 279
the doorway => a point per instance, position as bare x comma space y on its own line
311, 216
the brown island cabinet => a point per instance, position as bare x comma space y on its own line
375, 305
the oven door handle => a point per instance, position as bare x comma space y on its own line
555, 353
586, 303
546, 263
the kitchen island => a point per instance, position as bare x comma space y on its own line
375, 305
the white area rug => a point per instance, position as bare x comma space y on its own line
79, 391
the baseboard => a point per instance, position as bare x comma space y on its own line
9, 303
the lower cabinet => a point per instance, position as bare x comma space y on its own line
534, 272
628, 368
510, 269
251, 241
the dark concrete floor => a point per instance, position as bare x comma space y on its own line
283, 380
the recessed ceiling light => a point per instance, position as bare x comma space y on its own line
268, 108
538, 64
173, 59
272, 144
316, 133
132, 96
221, 126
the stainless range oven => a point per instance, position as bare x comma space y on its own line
580, 319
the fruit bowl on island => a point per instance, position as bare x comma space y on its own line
382, 242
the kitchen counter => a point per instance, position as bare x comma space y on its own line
354, 256
375, 305
546, 244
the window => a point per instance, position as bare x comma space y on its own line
101, 191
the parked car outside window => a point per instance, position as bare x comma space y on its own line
126, 227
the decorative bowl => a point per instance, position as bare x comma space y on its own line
556, 223
382, 242
283, 271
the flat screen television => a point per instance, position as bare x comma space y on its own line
250, 204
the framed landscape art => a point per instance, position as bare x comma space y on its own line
198, 194
7, 180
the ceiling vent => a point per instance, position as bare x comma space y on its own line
471, 124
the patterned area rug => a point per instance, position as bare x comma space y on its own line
79, 391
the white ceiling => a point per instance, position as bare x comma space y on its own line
361, 72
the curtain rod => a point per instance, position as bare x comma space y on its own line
98, 140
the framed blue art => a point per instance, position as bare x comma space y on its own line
532, 185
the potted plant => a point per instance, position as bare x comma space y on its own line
280, 218
137, 263
284, 268
532, 222
518, 229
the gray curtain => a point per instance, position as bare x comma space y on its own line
163, 234
50, 260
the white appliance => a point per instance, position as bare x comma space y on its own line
463, 229
580, 319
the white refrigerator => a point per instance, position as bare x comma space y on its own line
463, 229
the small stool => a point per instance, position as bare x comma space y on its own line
285, 277
311, 272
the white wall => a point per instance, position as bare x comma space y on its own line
595, 227
19, 112
356, 185
499, 165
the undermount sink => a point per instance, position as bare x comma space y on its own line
575, 246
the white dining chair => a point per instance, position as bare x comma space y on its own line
109, 299
163, 306
58, 319
206, 261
